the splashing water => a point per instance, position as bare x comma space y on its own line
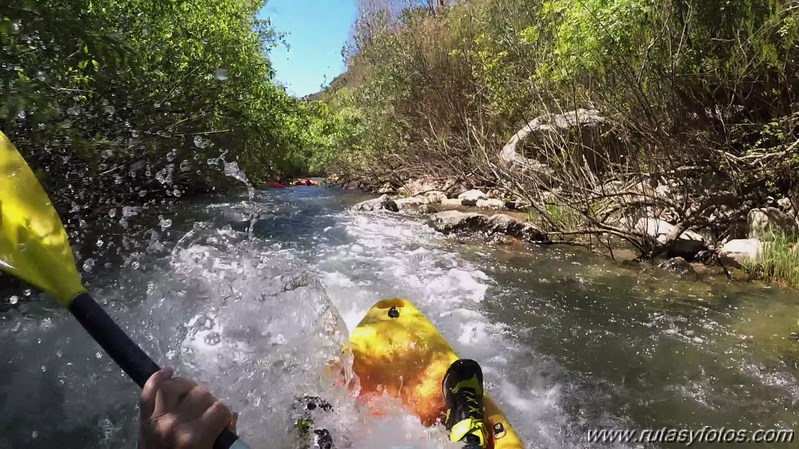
257, 298
232, 170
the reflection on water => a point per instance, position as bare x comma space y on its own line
255, 296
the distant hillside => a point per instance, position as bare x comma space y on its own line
337, 84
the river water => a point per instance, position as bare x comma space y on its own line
254, 296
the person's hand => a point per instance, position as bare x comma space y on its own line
176, 413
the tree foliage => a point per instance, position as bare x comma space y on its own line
132, 100
720, 72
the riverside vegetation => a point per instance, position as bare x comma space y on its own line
669, 127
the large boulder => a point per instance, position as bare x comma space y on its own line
505, 224
453, 221
739, 251
687, 245
491, 203
471, 197
382, 203
769, 219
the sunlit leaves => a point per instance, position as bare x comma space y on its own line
147, 77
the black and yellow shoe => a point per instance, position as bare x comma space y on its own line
303, 412
463, 394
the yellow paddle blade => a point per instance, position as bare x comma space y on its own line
33, 243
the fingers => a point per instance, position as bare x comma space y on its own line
178, 413
170, 394
216, 419
233, 422
150, 390
196, 402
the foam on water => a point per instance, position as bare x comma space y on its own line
263, 320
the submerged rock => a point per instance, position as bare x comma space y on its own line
382, 203
505, 224
453, 220
739, 251
677, 265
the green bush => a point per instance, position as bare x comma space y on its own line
106, 95
702, 74
778, 260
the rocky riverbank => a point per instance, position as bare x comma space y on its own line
456, 206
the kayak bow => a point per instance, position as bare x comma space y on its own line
398, 351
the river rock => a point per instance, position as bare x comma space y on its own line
471, 197
761, 221
785, 204
505, 224
687, 245
435, 196
427, 209
451, 202
677, 265
517, 203
387, 188
453, 220
382, 203
407, 203
737, 252
491, 203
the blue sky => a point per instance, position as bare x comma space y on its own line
316, 32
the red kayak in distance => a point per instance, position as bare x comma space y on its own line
305, 182
289, 183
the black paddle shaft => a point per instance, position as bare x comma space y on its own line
127, 354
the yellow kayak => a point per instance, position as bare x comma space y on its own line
402, 354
